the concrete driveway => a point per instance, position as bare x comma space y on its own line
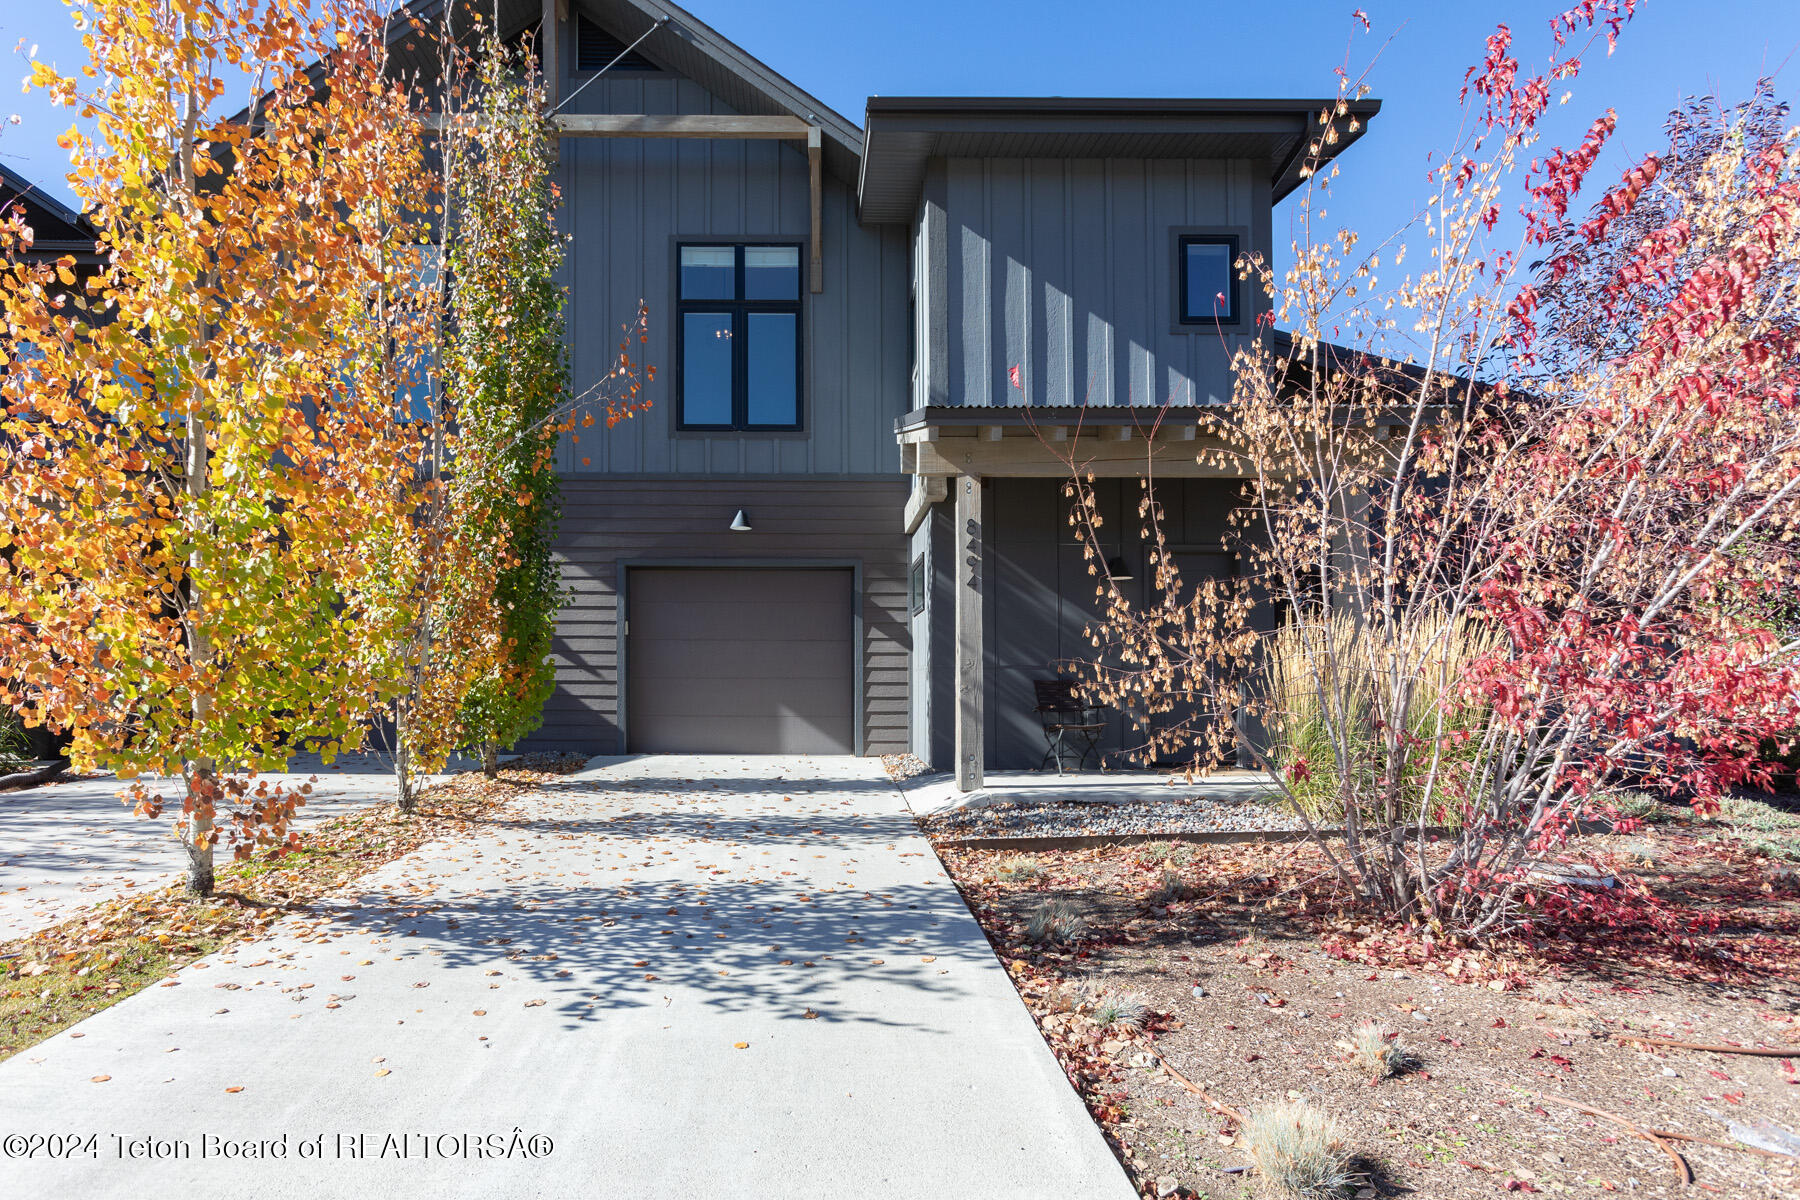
668, 976
71, 843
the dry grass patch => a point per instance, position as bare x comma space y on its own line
1300, 1150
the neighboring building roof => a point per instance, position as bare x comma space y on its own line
58, 229
903, 132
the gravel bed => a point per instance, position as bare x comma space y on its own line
1066, 818
904, 766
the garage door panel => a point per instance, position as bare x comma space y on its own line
721, 660
765, 735
758, 618
816, 697
740, 660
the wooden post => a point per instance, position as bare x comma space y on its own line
970, 753
815, 148
550, 45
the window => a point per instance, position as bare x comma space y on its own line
739, 332
915, 586
595, 49
1208, 286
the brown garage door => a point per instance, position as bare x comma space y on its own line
741, 661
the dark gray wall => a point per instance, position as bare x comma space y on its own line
1041, 594
1066, 268
626, 203
660, 519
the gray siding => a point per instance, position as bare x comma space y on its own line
1040, 596
626, 203
606, 521
1066, 269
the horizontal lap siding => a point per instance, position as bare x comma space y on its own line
607, 520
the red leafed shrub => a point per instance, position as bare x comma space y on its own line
1535, 538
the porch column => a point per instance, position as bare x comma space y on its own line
970, 754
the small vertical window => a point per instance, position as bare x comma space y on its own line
915, 586
740, 331
1208, 286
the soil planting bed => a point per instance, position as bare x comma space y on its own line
1251, 968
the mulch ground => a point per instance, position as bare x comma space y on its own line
61, 975
1253, 976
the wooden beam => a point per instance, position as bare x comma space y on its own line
686, 125
1028, 458
993, 433
550, 46
927, 490
815, 170
966, 549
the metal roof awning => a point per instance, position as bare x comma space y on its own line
902, 133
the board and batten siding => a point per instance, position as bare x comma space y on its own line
1066, 269
627, 202
644, 521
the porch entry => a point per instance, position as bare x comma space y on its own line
739, 660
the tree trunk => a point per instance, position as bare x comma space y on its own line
199, 839
202, 773
490, 759
404, 795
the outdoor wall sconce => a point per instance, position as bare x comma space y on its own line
739, 524
1116, 570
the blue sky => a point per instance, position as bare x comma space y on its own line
844, 50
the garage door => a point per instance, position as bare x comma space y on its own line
740, 661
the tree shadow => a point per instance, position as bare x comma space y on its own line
789, 948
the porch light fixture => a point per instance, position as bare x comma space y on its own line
739, 524
1116, 570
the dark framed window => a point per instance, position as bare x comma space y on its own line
1208, 288
738, 333
915, 586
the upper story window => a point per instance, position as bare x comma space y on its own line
1208, 286
739, 330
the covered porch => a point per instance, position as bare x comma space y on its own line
1003, 593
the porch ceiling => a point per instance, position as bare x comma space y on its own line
1041, 442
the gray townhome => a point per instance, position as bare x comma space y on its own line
841, 527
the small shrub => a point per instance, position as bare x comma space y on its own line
1164, 854
1112, 1009
1373, 1052
1778, 847
1641, 806
1299, 1150
1743, 812
1170, 888
14, 749
1018, 868
1055, 921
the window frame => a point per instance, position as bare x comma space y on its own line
1231, 238
916, 586
740, 310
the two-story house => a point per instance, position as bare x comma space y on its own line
841, 527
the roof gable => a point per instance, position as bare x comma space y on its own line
689, 46
56, 228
